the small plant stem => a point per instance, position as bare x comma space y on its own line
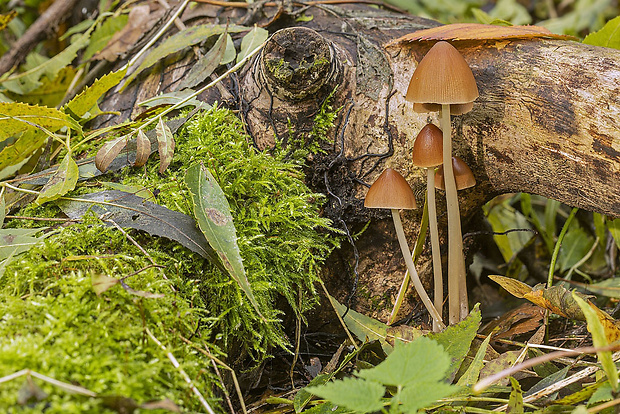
456, 265
404, 247
558, 244
436, 252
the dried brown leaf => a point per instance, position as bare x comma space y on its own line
140, 20
109, 151
166, 145
143, 149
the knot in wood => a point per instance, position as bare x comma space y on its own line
296, 62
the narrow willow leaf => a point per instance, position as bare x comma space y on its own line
136, 190
16, 241
599, 340
470, 377
174, 98
2, 209
102, 34
27, 82
206, 64
130, 211
212, 212
143, 149
102, 283
63, 181
165, 142
255, 37
608, 36
108, 152
230, 53
88, 98
185, 38
18, 117
515, 401
614, 229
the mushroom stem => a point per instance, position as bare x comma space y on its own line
436, 253
404, 247
456, 264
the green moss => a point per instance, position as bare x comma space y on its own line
53, 322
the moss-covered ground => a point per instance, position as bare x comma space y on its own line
51, 320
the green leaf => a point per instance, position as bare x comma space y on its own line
173, 98
456, 339
136, 190
515, 401
352, 393
599, 340
181, 40
18, 117
2, 209
230, 53
20, 151
614, 229
165, 142
608, 36
16, 241
102, 34
51, 92
212, 212
83, 102
205, 66
419, 361
470, 377
27, 82
62, 181
256, 37
577, 243
422, 395
303, 396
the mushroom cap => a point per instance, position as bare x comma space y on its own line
462, 174
428, 147
442, 77
391, 191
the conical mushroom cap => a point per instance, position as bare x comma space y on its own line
462, 175
428, 147
390, 190
442, 77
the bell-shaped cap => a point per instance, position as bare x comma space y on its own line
442, 77
428, 147
462, 175
392, 191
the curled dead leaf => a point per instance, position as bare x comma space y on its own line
143, 149
109, 151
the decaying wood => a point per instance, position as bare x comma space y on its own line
547, 122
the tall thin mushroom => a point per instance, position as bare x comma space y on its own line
443, 78
464, 178
428, 154
392, 191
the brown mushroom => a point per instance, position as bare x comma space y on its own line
463, 175
443, 78
428, 154
392, 191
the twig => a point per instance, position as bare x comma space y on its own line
243, 5
186, 377
40, 218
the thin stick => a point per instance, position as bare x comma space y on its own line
436, 252
417, 284
40, 218
186, 377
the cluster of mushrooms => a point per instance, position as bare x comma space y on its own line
441, 82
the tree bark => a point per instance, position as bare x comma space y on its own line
547, 122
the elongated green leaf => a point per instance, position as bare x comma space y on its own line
230, 53
26, 82
2, 209
173, 98
183, 39
608, 36
599, 340
109, 151
102, 34
22, 149
18, 117
16, 241
212, 212
131, 211
470, 377
614, 229
143, 149
206, 64
515, 401
51, 92
251, 41
63, 181
139, 191
165, 143
88, 98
